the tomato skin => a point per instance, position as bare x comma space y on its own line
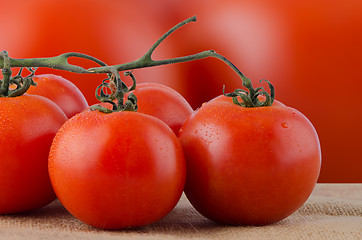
164, 103
27, 126
117, 170
61, 91
249, 166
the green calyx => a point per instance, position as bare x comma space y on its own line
117, 89
250, 98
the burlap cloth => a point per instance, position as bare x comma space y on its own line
334, 211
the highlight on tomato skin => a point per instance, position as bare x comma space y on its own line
117, 170
249, 166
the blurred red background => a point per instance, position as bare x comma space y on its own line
310, 50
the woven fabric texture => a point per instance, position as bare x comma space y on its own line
334, 211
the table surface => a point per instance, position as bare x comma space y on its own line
333, 211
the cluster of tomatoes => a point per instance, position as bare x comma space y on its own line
307, 48
236, 164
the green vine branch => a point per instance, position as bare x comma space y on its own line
58, 62
61, 62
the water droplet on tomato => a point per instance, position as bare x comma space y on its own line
284, 125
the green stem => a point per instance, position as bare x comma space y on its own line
145, 62
149, 53
58, 62
6, 71
61, 62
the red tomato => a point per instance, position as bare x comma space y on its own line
27, 126
164, 103
61, 91
306, 48
250, 166
117, 170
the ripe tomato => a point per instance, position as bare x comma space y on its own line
251, 166
27, 126
61, 91
164, 103
117, 170
298, 45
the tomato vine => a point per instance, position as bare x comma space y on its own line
61, 62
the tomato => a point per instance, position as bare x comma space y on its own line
28, 125
160, 101
61, 91
310, 50
164, 103
117, 170
251, 166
